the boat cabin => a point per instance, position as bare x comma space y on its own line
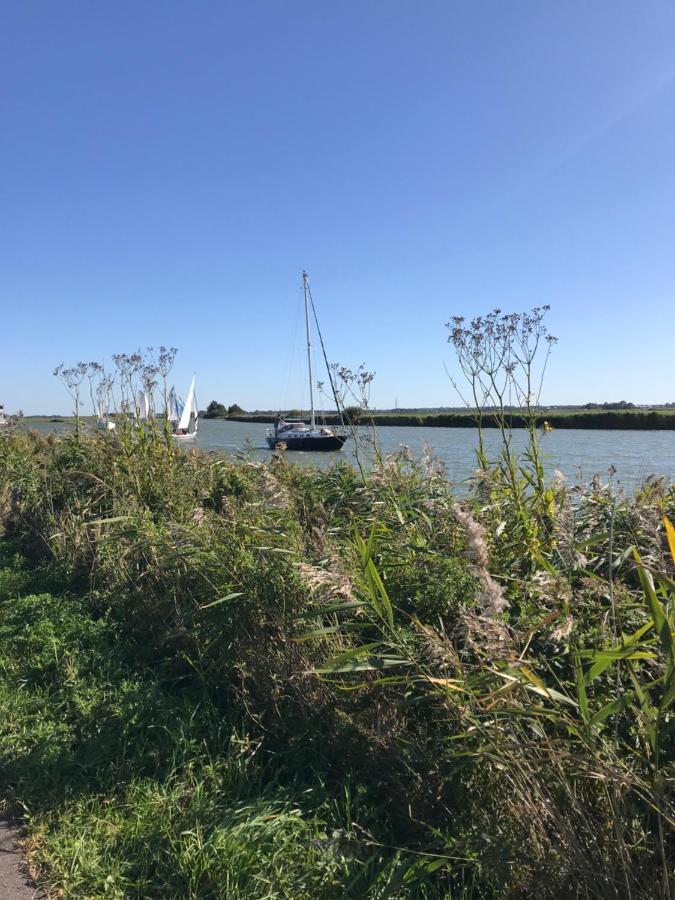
282, 424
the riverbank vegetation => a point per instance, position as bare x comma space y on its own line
630, 420
635, 420
230, 679
221, 678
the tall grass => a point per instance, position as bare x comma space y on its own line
223, 678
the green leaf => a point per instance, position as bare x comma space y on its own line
668, 695
378, 587
627, 641
661, 623
222, 600
592, 540
664, 580
355, 651
611, 709
551, 694
319, 632
109, 521
605, 658
545, 564
580, 683
436, 864
670, 534
543, 691
378, 593
648, 711
342, 628
275, 550
372, 663
334, 607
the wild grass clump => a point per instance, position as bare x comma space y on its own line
223, 678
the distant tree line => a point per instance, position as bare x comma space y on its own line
622, 404
217, 410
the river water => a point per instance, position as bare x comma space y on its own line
634, 454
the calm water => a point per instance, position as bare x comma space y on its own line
634, 454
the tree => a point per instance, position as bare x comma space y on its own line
215, 410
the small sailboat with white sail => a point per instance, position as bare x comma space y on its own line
183, 415
296, 434
103, 420
144, 407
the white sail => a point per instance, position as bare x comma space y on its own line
101, 405
189, 409
173, 412
142, 405
195, 412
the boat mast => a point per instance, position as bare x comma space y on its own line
305, 281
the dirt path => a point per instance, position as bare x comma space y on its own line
14, 882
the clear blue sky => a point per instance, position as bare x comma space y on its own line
168, 169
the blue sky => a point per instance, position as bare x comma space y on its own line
168, 169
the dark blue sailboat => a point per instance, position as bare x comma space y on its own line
296, 434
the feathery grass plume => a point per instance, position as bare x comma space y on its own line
563, 525
491, 599
549, 589
441, 656
433, 468
198, 515
485, 636
475, 534
326, 584
273, 491
563, 630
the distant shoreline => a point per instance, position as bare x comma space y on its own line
630, 420
605, 420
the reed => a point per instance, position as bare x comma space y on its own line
222, 678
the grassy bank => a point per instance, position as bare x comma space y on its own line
638, 420
251, 680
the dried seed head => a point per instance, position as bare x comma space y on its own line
475, 534
491, 598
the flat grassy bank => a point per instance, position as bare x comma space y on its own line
635, 420
248, 680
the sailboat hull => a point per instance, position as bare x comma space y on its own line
310, 442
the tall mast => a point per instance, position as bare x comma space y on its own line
305, 281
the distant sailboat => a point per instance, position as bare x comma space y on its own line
183, 415
143, 406
103, 422
173, 412
295, 434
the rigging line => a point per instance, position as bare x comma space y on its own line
325, 358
